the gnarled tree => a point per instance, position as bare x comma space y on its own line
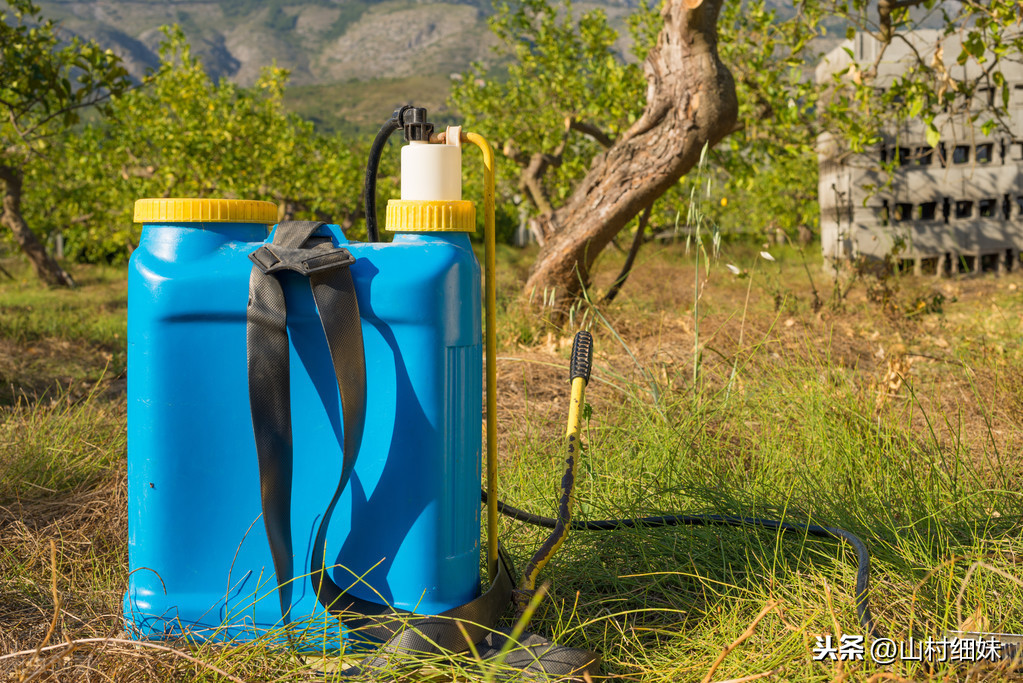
589, 155
691, 102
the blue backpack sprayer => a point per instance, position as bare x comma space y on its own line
304, 426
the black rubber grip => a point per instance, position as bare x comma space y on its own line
582, 356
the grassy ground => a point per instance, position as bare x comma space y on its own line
890, 407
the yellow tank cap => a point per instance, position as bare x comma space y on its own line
418, 215
205, 211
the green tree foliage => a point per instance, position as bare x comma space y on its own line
567, 69
768, 167
982, 37
184, 135
566, 94
769, 57
566, 75
766, 171
44, 87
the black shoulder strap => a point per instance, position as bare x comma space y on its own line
295, 248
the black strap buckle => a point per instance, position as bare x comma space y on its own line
271, 258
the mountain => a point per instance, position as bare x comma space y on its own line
351, 61
318, 40
337, 51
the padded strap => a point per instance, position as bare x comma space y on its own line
268, 369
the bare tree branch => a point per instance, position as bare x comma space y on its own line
591, 130
885, 8
535, 168
630, 260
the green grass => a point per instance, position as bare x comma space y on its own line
788, 448
60, 444
791, 423
95, 313
58, 341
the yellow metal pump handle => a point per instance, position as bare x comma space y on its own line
490, 284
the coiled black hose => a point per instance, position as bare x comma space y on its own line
862, 554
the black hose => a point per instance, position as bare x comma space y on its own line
862, 554
369, 188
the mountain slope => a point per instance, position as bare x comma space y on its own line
317, 40
351, 61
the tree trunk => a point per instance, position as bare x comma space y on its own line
630, 258
691, 102
46, 268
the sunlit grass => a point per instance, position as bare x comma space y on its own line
794, 422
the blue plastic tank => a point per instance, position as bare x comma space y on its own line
408, 524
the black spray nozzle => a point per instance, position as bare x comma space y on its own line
582, 356
417, 128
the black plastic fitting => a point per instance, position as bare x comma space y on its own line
582, 356
417, 128
412, 121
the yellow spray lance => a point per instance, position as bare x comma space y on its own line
582, 360
454, 136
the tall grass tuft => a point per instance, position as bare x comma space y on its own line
697, 222
54, 444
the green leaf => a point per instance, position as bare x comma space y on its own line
933, 135
916, 105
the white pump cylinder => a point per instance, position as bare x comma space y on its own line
431, 172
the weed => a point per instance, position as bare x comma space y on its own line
697, 222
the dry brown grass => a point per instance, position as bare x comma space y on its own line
912, 366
